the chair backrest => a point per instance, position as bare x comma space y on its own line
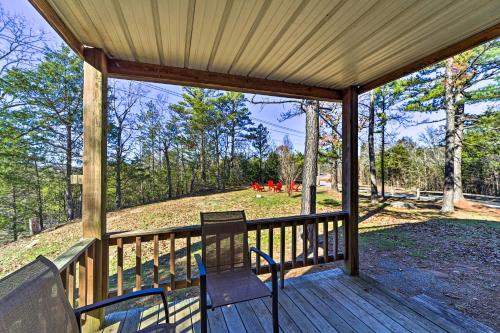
224, 241
270, 183
32, 299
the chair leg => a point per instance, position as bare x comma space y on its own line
274, 295
203, 304
203, 317
275, 314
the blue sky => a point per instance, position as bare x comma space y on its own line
268, 114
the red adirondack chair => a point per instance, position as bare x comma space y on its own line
270, 185
294, 187
256, 186
278, 186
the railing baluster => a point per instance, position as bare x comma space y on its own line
336, 237
91, 274
294, 244
105, 268
316, 241
231, 250
71, 283
326, 258
138, 263
188, 261
82, 281
271, 246
257, 245
172, 261
217, 252
304, 243
119, 265
64, 279
156, 261
282, 255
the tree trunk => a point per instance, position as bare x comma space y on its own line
449, 181
231, 158
371, 149
217, 161
310, 169
118, 178
457, 165
169, 171
202, 159
336, 175
14, 215
260, 167
39, 195
193, 174
70, 207
382, 162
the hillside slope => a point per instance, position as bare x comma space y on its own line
182, 211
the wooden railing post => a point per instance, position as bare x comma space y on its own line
350, 178
94, 170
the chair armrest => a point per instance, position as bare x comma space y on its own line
110, 301
202, 271
270, 261
201, 266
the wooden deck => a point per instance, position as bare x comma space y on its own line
327, 301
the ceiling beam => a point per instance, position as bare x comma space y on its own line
50, 15
130, 70
446, 52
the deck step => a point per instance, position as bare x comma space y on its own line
456, 317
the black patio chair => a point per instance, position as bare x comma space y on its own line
32, 299
226, 276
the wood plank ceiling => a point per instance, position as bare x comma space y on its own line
317, 43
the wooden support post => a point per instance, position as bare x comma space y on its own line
350, 177
94, 169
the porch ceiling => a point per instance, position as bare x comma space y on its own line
327, 44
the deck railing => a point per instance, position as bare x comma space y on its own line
281, 234
76, 267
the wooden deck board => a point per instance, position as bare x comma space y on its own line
410, 322
329, 312
326, 301
421, 310
286, 322
354, 308
183, 316
249, 318
378, 297
308, 310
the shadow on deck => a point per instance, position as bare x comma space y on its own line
326, 301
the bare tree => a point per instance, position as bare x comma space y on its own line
288, 167
121, 103
371, 149
19, 43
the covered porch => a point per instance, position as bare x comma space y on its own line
330, 51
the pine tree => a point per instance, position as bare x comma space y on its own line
469, 77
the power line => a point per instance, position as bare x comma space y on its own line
170, 92
277, 125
